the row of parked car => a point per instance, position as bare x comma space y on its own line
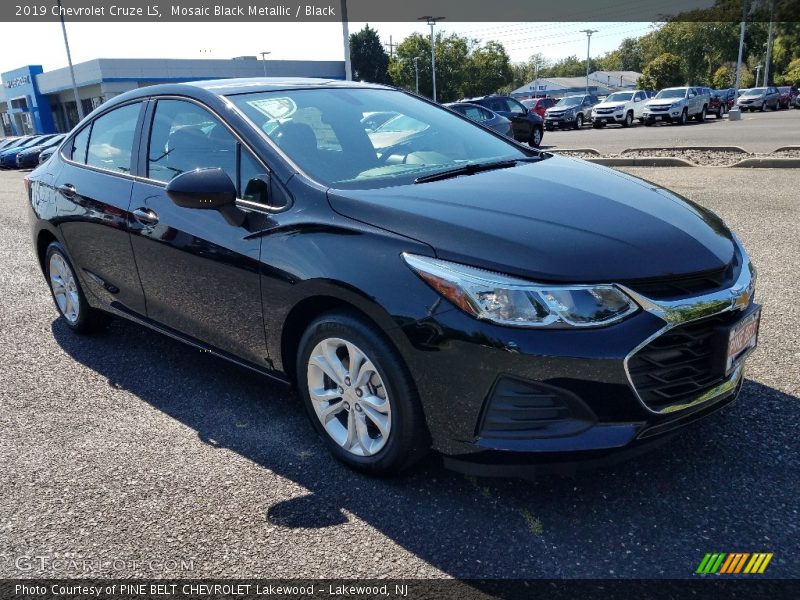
28, 150
526, 120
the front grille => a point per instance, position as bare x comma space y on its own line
521, 409
658, 108
684, 286
679, 365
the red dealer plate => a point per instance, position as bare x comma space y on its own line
742, 339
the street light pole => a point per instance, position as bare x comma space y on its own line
758, 72
69, 60
588, 33
432, 21
416, 71
264, 61
348, 67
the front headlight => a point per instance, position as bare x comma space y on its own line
676, 104
506, 300
569, 114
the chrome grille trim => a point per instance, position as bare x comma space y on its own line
678, 312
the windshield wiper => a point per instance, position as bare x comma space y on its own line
472, 168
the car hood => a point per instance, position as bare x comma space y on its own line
664, 101
556, 220
610, 104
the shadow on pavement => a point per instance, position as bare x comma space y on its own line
723, 485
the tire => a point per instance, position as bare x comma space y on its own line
649, 123
68, 295
578, 121
536, 137
720, 112
549, 127
628, 120
381, 436
763, 106
596, 125
701, 116
684, 117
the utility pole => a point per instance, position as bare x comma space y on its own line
588, 33
69, 60
758, 72
416, 71
264, 60
735, 113
432, 21
348, 70
770, 38
391, 47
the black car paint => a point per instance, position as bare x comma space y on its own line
244, 290
523, 123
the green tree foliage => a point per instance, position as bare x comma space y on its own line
663, 71
792, 74
628, 57
464, 68
723, 78
368, 58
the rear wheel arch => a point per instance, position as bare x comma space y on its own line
43, 240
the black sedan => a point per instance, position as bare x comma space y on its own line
439, 287
484, 116
30, 156
528, 127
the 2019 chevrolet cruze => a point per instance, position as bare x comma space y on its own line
437, 286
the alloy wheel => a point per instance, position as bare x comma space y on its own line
65, 288
349, 396
536, 137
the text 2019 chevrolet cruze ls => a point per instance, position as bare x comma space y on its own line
437, 286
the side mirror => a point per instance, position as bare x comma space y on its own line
637, 99
202, 188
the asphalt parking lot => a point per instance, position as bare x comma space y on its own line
131, 447
755, 132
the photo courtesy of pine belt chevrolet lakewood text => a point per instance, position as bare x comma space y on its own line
433, 285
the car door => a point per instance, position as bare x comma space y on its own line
639, 98
94, 193
520, 124
199, 267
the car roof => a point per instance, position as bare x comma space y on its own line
226, 87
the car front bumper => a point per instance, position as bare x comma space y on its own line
559, 121
497, 395
671, 114
609, 118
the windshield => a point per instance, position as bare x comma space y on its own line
620, 97
323, 132
676, 93
755, 92
570, 101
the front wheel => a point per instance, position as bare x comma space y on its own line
628, 120
68, 294
701, 116
684, 117
536, 137
359, 395
579, 121
763, 106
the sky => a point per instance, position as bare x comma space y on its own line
42, 43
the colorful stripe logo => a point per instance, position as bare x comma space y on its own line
737, 562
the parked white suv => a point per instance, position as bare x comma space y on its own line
676, 105
621, 108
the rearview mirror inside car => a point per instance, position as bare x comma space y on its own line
202, 188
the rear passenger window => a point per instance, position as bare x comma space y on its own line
184, 137
111, 139
79, 145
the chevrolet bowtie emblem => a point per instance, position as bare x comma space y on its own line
742, 299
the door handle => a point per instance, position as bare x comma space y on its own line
145, 216
67, 190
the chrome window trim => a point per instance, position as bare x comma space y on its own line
678, 312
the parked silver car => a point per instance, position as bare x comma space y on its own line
677, 105
760, 98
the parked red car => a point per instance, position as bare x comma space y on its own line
788, 96
721, 102
538, 105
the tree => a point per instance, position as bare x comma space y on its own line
663, 71
723, 78
368, 58
464, 68
491, 70
792, 74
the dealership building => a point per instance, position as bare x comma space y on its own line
34, 101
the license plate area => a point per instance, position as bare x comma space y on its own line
739, 340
